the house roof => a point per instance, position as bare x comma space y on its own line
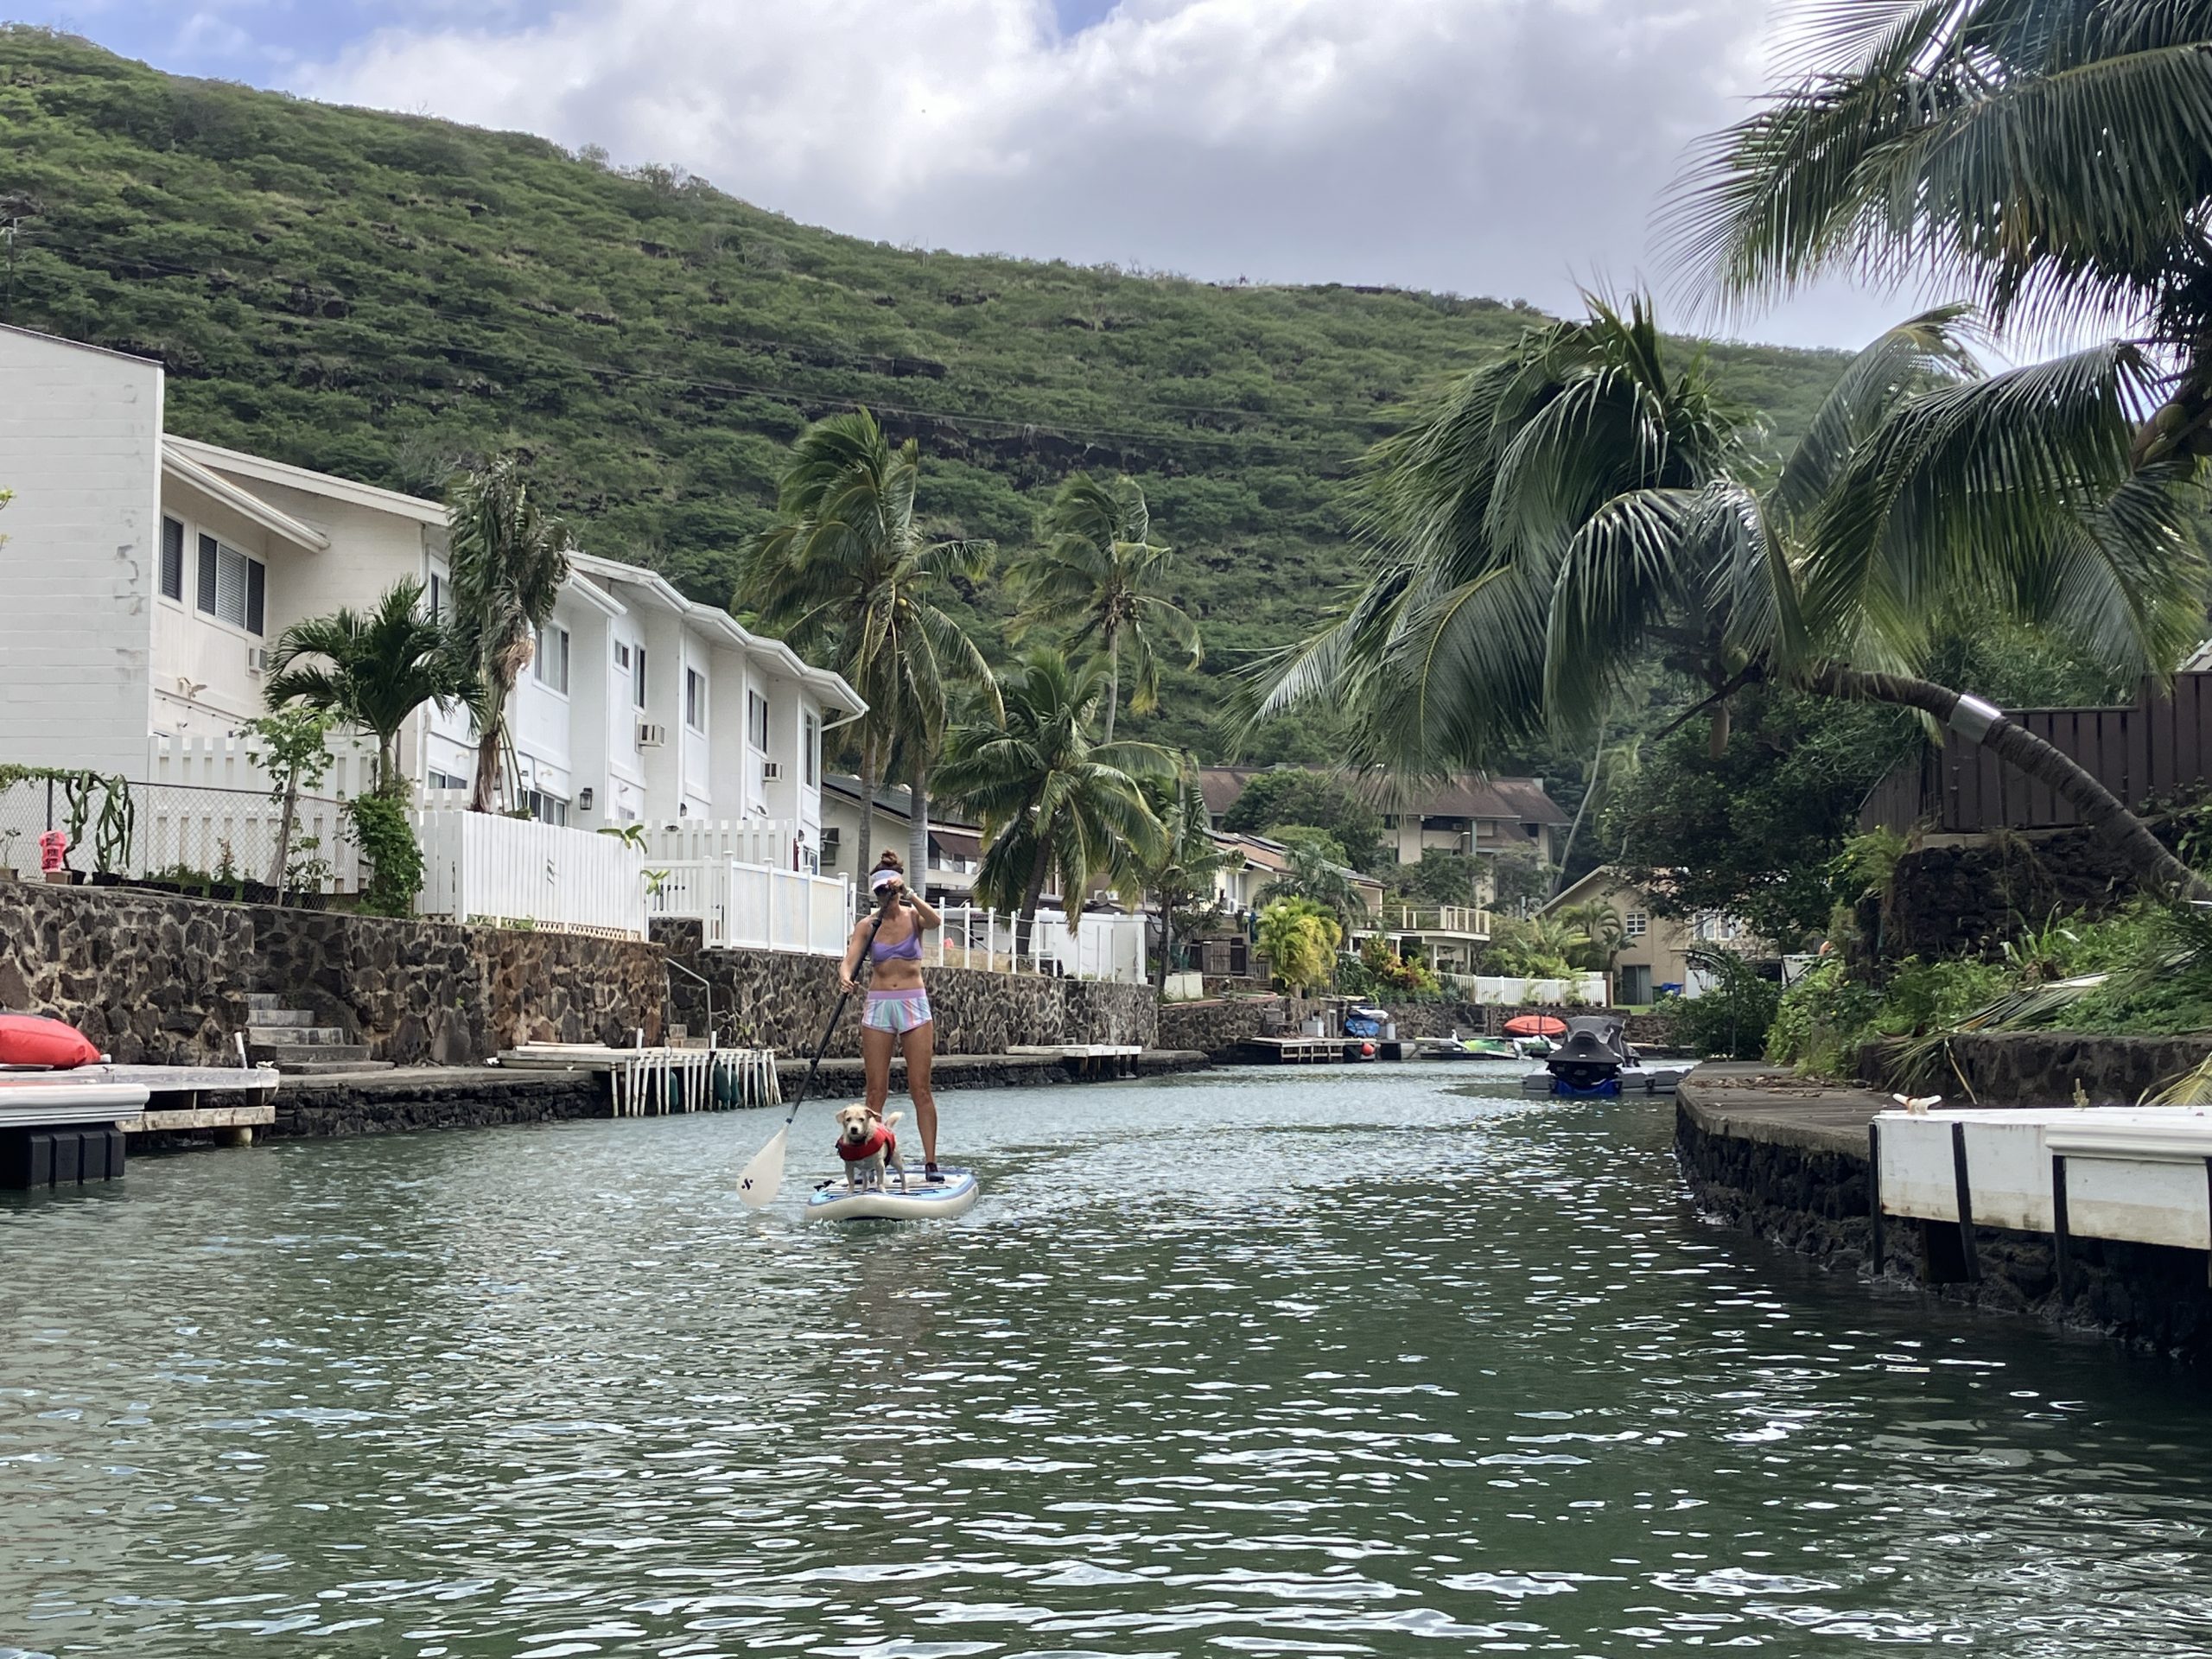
1468, 795
1600, 881
264, 471
657, 590
242, 502
896, 800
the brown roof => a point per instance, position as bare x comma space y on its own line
1469, 795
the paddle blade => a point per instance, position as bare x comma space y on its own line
757, 1184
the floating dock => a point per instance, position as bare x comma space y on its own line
62, 1129
1318, 1051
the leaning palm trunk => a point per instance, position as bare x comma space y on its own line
2101, 810
865, 856
1113, 681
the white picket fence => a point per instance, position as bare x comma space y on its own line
484, 867
757, 906
1508, 992
1103, 946
770, 841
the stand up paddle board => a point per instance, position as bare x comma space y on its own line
922, 1200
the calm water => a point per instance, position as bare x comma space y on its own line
1376, 1361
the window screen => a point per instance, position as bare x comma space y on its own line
233, 589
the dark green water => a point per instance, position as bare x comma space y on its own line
1360, 1362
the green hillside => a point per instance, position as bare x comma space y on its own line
378, 296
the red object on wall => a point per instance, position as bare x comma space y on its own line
1535, 1025
33, 1040
51, 847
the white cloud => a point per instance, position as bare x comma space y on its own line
1510, 148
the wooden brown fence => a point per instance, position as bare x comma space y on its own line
2159, 746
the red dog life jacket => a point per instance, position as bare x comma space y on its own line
880, 1139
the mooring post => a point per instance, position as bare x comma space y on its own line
1966, 1200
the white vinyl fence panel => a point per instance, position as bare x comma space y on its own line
481, 866
1526, 993
770, 841
755, 906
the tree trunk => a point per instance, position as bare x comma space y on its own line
864, 856
918, 829
2102, 811
284, 833
1716, 741
1113, 682
1035, 890
1167, 943
1589, 794
484, 788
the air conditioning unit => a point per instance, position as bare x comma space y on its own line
770, 770
651, 735
257, 659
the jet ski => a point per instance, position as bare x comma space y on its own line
1595, 1060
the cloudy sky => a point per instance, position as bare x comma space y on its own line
1508, 148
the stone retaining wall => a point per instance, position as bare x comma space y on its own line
1814, 1200
1216, 1025
2042, 1068
783, 1000
158, 979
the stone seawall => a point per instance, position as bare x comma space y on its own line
157, 979
1216, 1025
783, 1000
2043, 1068
1807, 1189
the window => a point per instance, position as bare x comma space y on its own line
232, 587
810, 750
622, 659
756, 721
550, 663
446, 780
694, 700
637, 695
172, 559
546, 809
830, 840
440, 598
1634, 925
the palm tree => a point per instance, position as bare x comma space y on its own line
1092, 577
1586, 503
1601, 926
1310, 873
2053, 156
510, 559
374, 669
1180, 875
848, 571
1055, 806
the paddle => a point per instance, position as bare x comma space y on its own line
762, 1178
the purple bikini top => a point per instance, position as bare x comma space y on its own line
907, 950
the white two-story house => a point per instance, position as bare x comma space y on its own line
148, 576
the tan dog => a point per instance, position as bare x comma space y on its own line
867, 1148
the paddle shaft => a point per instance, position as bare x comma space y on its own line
830, 1030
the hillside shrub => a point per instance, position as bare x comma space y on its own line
386, 839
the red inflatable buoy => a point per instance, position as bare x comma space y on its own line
1366, 1051
33, 1040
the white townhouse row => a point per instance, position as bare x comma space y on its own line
146, 577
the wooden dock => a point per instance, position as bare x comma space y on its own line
1315, 1051
63, 1129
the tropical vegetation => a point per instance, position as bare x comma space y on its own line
1093, 576
1180, 876
1057, 806
1299, 938
371, 670
1293, 798
849, 570
510, 558
1590, 501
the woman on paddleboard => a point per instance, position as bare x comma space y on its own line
898, 1013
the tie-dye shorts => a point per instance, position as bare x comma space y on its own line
897, 1012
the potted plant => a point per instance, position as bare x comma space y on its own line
8, 840
226, 882
305, 871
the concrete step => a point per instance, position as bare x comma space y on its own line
259, 1017
290, 1057
264, 1002
263, 1036
332, 1068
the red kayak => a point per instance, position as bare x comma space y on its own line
1535, 1025
33, 1040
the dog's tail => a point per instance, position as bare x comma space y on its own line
893, 1120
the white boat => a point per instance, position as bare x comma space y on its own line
921, 1200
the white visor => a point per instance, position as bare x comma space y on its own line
881, 879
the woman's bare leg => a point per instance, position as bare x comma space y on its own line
919, 1043
876, 1059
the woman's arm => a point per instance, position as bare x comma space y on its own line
855, 948
924, 913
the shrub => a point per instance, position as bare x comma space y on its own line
387, 841
1300, 938
1730, 1020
